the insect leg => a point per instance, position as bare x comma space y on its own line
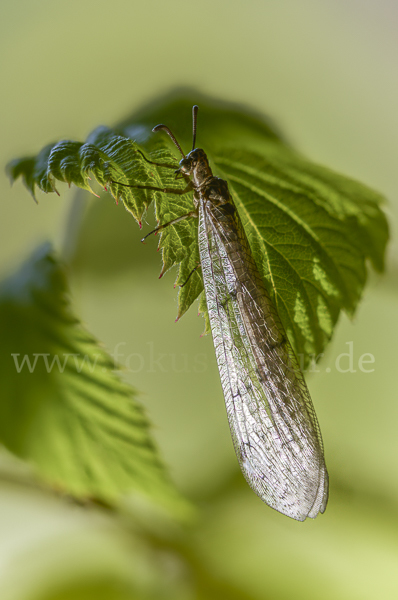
177, 191
155, 163
193, 213
191, 273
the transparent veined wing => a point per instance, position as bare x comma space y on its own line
273, 424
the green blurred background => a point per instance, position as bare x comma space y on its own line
325, 72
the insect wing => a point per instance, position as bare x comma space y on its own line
271, 417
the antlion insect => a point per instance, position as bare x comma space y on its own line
273, 424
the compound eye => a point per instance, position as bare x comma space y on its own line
185, 165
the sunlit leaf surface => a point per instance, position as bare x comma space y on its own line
311, 231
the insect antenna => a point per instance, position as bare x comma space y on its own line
194, 120
167, 130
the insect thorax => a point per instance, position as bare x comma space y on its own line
201, 170
211, 188
216, 192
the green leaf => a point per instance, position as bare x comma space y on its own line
311, 231
62, 406
107, 156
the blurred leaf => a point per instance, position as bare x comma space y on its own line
68, 551
311, 231
209, 585
62, 407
